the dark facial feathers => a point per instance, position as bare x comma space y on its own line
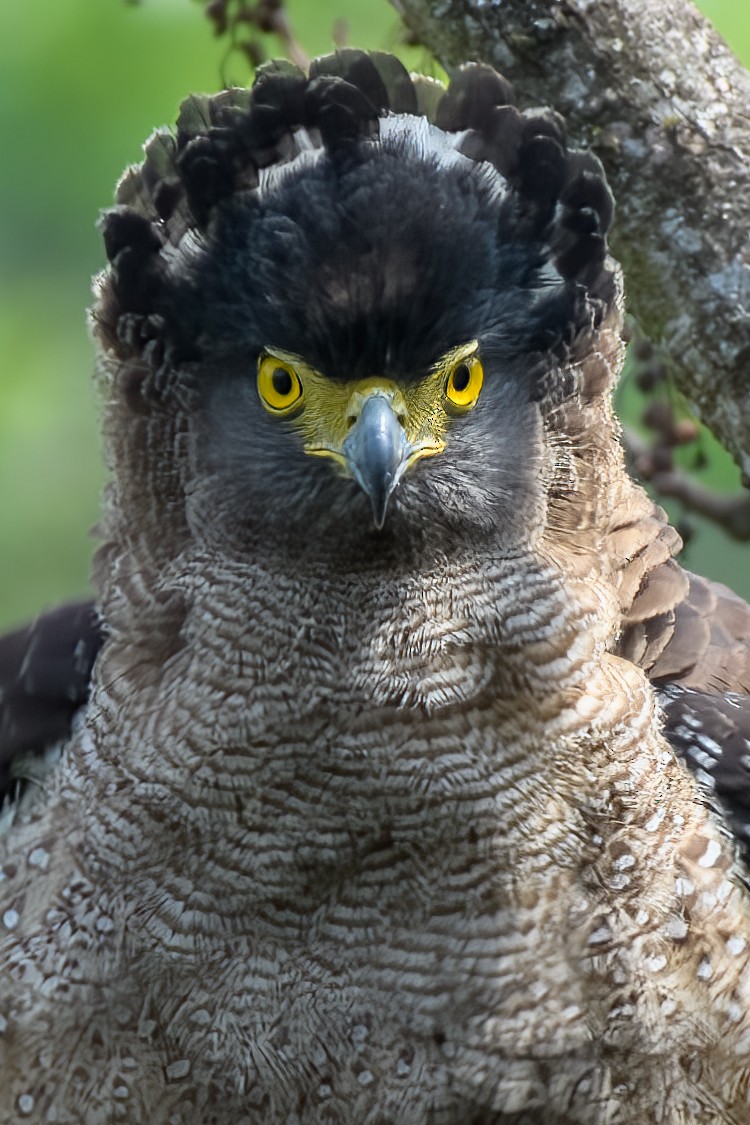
359, 278
368, 223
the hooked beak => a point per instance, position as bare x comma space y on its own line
377, 452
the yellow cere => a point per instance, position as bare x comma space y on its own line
323, 410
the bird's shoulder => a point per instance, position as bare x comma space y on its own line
45, 675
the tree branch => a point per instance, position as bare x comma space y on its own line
730, 512
655, 92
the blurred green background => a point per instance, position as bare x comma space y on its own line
82, 84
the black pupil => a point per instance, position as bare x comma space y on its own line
282, 382
461, 377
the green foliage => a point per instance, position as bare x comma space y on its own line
82, 84
731, 18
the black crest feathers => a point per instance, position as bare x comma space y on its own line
223, 143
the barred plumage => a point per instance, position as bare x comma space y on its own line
370, 814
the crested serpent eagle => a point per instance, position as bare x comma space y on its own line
399, 774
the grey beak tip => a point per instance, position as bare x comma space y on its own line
379, 510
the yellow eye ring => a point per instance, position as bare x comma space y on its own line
464, 384
279, 385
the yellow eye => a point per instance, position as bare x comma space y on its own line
464, 384
279, 385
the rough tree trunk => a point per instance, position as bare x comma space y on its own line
656, 93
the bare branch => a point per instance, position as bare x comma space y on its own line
247, 23
729, 511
